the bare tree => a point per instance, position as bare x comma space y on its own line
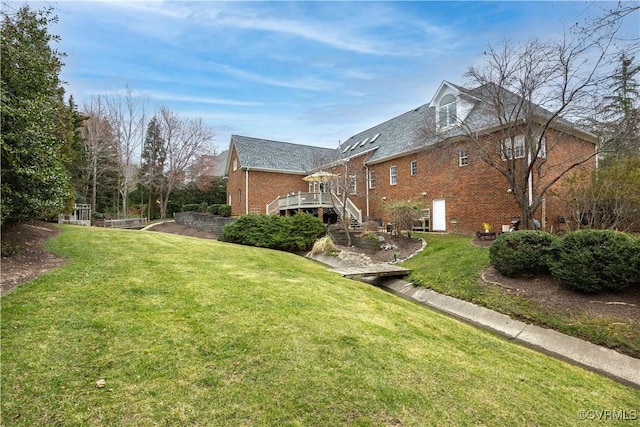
534, 92
99, 143
185, 139
404, 214
126, 115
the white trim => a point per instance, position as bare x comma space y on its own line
462, 157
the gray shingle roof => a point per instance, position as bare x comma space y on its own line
265, 154
398, 135
407, 132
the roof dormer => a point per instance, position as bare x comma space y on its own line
452, 105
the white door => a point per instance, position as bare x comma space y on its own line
438, 219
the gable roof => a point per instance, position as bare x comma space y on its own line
268, 155
408, 132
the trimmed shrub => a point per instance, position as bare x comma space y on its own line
191, 207
304, 229
524, 252
593, 260
203, 207
222, 210
290, 234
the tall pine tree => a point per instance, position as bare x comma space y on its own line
154, 154
621, 113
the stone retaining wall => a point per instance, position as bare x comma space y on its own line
204, 221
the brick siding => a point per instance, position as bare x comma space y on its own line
474, 194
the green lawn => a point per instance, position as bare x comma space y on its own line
198, 332
451, 265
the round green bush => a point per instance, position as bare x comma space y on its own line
594, 260
522, 252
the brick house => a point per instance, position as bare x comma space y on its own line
437, 155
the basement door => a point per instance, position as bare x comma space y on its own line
439, 222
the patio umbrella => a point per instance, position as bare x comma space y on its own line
320, 176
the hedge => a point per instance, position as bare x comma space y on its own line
290, 234
222, 210
191, 207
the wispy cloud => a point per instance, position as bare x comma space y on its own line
309, 83
165, 96
311, 31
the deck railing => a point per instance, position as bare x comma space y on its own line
350, 208
299, 200
313, 200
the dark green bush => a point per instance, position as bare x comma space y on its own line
593, 260
222, 210
191, 207
304, 230
522, 252
275, 232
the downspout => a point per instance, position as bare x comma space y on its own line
246, 191
529, 179
366, 186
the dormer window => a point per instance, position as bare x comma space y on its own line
447, 111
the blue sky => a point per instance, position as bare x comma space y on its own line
303, 72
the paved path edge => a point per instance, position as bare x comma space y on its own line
617, 366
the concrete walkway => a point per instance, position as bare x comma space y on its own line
605, 361
156, 223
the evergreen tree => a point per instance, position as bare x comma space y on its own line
36, 125
154, 154
78, 158
621, 113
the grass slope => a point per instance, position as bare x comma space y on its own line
197, 332
450, 265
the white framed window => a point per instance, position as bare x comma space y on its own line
414, 167
239, 196
542, 152
352, 184
463, 157
393, 175
516, 149
372, 179
513, 148
447, 111
235, 165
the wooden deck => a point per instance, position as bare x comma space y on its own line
376, 270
